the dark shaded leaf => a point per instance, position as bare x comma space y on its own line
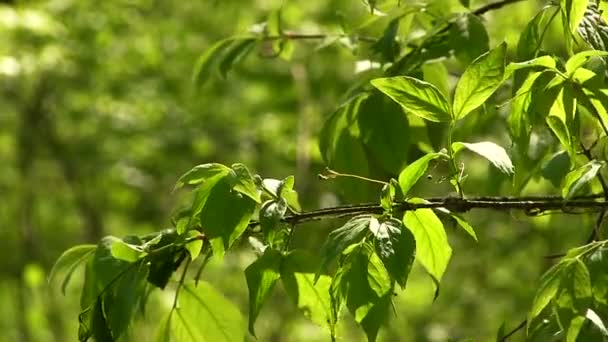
69, 261
221, 229
350, 233
396, 247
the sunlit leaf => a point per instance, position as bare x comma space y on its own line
433, 250
312, 298
419, 97
194, 247
262, 276
597, 321
581, 58
577, 178
126, 251
543, 62
479, 81
203, 315
200, 173
546, 291
489, 150
412, 173
242, 181
574, 9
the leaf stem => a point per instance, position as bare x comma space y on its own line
329, 173
181, 283
453, 166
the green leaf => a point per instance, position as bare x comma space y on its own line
437, 74
546, 291
433, 250
350, 233
235, 53
387, 45
242, 181
462, 222
92, 323
384, 131
412, 173
203, 315
556, 168
574, 10
342, 149
479, 81
468, 38
597, 321
581, 58
201, 195
287, 193
531, 37
201, 173
126, 251
419, 97
594, 94
597, 265
465, 3
163, 262
312, 298
101, 271
577, 178
574, 328
364, 284
270, 216
69, 261
489, 150
522, 109
387, 196
543, 62
121, 302
194, 247
223, 230
561, 120
262, 275
396, 247
224, 52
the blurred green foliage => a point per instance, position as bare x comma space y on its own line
99, 117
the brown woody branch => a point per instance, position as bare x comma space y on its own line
531, 205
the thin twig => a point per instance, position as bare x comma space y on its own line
181, 283
512, 332
493, 6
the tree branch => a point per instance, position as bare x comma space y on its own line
532, 205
